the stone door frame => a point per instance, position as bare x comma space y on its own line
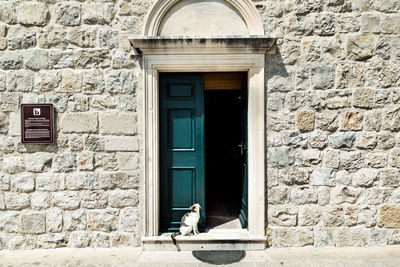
148, 97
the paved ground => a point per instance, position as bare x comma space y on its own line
389, 256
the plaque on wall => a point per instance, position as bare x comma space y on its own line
37, 123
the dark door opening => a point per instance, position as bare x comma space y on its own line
225, 154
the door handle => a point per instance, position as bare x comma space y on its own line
242, 148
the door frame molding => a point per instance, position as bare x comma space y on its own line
148, 108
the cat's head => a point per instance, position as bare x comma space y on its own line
195, 207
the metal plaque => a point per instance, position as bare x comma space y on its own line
37, 123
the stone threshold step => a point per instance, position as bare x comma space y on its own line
221, 239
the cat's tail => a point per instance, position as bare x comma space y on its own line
173, 237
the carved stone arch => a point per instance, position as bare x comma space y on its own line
244, 8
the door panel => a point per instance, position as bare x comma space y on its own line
181, 147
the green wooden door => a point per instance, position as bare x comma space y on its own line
181, 147
243, 147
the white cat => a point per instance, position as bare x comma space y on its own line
189, 222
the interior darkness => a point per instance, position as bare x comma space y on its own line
223, 135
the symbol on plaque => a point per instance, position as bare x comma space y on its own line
36, 111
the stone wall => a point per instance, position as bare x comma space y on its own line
333, 117
83, 191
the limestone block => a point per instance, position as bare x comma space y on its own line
322, 177
282, 217
382, 98
121, 143
363, 98
118, 123
366, 140
389, 6
333, 216
127, 103
9, 221
309, 215
123, 239
352, 121
2, 202
36, 59
318, 139
278, 195
389, 216
129, 219
342, 140
76, 142
14, 164
377, 196
105, 161
104, 102
79, 239
292, 237
85, 161
280, 156
308, 157
344, 194
97, 13
323, 195
330, 158
53, 37
78, 103
278, 122
360, 47
348, 23
305, 7
61, 60
23, 182
370, 23
11, 60
365, 177
350, 237
127, 161
83, 37
37, 162
367, 215
338, 99
343, 177
123, 198
100, 240
303, 195
68, 14
59, 101
64, 162
3, 43
121, 82
41, 200
17, 201
76, 181
71, 81
324, 24
386, 140
93, 58
323, 237
394, 238
94, 199
66, 200
46, 81
108, 38
391, 118
75, 220
294, 176
20, 81
390, 177
94, 143
305, 120
375, 160
52, 240
7, 12
93, 82
33, 13
4, 182
49, 181
79, 123
102, 220
390, 23
54, 220
327, 121
322, 76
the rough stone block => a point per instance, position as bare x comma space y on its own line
394, 238
4, 181
121, 82
23, 182
390, 177
370, 23
118, 124
360, 47
9, 221
52, 240
41, 200
377, 196
68, 14
344, 194
303, 195
294, 176
36, 60
343, 177
83, 37
366, 140
282, 217
322, 77
123, 239
389, 216
32, 223
53, 37
11, 60
97, 13
375, 160
330, 158
352, 121
342, 140
75, 220
54, 220
391, 118
284, 237
323, 237
278, 195
309, 215
49, 181
327, 121
85, 161
94, 199
64, 162
123, 198
79, 239
308, 157
121, 143
66, 200
333, 216
127, 161
71, 81
390, 23
20, 81
38, 162
17, 201
324, 24
33, 13
79, 123
365, 177
7, 12
13, 164
102, 220
77, 181
278, 122
305, 120
363, 98
386, 140
367, 216
322, 177
350, 237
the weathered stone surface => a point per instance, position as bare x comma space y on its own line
344, 194
324, 24
38, 162
93, 83
7, 12
9, 221
367, 216
100, 240
308, 157
118, 124
342, 140
97, 13
394, 238
375, 160
20, 81
360, 47
343, 177
370, 23
83, 37
366, 140
305, 120
85, 161
333, 216
303, 195
78, 103
377, 196
19, 38
278, 122
32, 223
102, 220
53, 37
350, 237
79, 239
390, 23
52, 240
391, 118
338, 99
323, 237
363, 98
68, 14
108, 38
322, 177
322, 77
49, 181
17, 201
121, 82
123, 239
327, 121
129, 219
4, 181
105, 161
79, 123
94, 199
386, 140
330, 158
23, 182
75, 220
123, 198
389, 216
127, 161
294, 176
71, 81
13, 164
286, 237
54, 220
278, 195
40, 200
64, 162
390, 177
365, 177
103, 102
280, 156
309, 215
121, 143
33, 13
67, 200
352, 121
282, 217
